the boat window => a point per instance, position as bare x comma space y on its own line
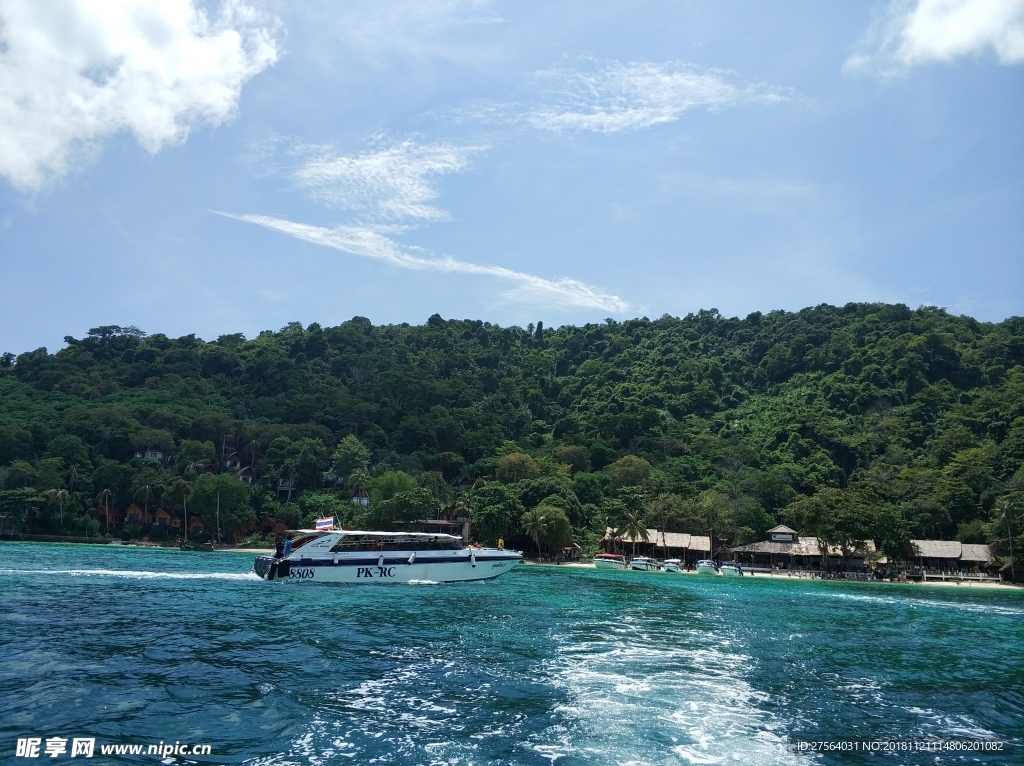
298, 542
396, 542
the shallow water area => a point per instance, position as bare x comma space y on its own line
541, 665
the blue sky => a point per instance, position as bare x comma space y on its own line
213, 169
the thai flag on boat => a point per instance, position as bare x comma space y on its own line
326, 523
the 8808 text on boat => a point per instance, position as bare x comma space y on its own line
360, 557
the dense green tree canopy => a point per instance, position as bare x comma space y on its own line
350, 455
495, 511
869, 406
227, 492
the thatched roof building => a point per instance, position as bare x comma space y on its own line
804, 546
686, 547
975, 553
951, 554
662, 541
936, 549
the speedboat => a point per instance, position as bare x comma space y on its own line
644, 564
671, 565
707, 567
609, 561
731, 569
364, 557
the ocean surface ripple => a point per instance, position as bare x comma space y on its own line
543, 665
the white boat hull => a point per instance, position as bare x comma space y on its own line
644, 565
706, 569
455, 566
730, 571
618, 564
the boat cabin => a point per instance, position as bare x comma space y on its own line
351, 541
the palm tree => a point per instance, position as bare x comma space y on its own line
535, 524
258, 496
104, 499
665, 505
253, 448
358, 481
1005, 508
61, 496
72, 475
463, 506
144, 494
194, 467
634, 527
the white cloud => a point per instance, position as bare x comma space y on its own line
617, 97
393, 183
940, 30
74, 72
370, 242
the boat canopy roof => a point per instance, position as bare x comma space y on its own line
362, 533
358, 539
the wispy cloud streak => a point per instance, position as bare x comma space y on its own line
392, 183
370, 242
618, 97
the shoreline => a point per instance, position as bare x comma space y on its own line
526, 562
788, 578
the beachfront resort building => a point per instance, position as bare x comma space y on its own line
786, 549
951, 557
663, 545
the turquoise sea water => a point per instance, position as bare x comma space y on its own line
542, 665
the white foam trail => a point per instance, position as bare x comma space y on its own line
135, 574
916, 602
688, 686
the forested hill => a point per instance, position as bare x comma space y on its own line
703, 421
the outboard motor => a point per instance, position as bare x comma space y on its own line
270, 568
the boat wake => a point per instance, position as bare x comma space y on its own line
916, 601
651, 695
410, 712
134, 574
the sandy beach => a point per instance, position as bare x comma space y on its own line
790, 578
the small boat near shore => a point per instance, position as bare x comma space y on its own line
672, 565
707, 567
188, 545
363, 557
644, 564
731, 569
609, 561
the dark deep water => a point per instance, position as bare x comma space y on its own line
542, 665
